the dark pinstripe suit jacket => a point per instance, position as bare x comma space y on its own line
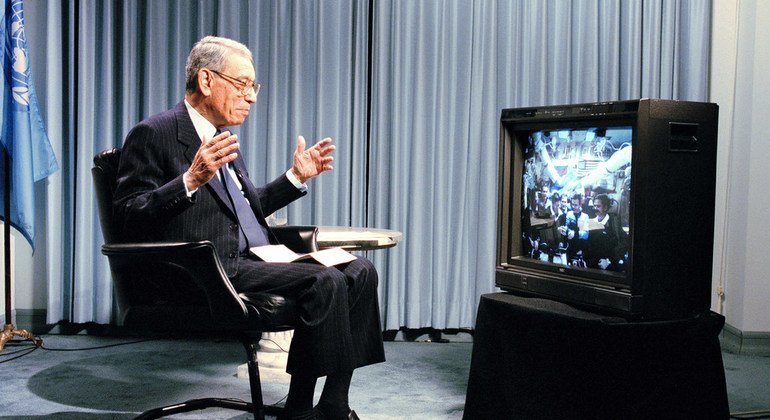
151, 203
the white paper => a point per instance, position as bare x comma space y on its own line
282, 254
332, 256
275, 253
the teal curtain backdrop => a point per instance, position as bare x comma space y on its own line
411, 91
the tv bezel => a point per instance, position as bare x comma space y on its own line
604, 291
514, 135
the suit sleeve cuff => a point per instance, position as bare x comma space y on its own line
293, 179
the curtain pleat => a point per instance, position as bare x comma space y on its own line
434, 144
424, 164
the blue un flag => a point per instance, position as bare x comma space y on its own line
23, 133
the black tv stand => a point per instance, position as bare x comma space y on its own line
536, 358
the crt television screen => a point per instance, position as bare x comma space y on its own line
575, 198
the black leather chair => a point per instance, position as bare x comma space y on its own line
182, 287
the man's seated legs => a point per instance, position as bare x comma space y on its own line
339, 327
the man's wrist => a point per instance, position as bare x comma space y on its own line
296, 175
187, 186
294, 179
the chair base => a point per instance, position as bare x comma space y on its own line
203, 403
250, 343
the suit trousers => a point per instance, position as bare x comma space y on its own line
339, 326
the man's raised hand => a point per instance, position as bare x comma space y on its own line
211, 155
311, 162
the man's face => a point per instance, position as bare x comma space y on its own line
542, 195
229, 106
564, 204
600, 208
576, 206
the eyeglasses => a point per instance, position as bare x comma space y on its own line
244, 88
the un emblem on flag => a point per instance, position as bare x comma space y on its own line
19, 59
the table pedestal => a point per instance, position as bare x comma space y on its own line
272, 357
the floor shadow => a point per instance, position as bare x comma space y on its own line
139, 380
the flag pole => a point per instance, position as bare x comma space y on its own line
9, 331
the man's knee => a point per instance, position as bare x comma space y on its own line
333, 280
328, 291
362, 270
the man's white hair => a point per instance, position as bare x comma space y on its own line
210, 52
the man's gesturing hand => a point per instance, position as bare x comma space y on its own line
212, 155
311, 162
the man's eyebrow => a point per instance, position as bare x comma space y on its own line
243, 77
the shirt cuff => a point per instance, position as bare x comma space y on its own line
184, 181
293, 179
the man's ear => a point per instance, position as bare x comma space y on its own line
205, 79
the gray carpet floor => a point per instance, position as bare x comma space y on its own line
420, 380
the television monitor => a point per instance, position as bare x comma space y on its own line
609, 205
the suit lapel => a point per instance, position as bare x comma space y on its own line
240, 170
187, 135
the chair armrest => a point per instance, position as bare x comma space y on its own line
300, 239
198, 260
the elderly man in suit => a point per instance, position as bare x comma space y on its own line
181, 178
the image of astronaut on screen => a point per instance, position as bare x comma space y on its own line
575, 201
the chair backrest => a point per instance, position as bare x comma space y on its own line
153, 285
104, 174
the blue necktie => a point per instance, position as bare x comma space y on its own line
251, 233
